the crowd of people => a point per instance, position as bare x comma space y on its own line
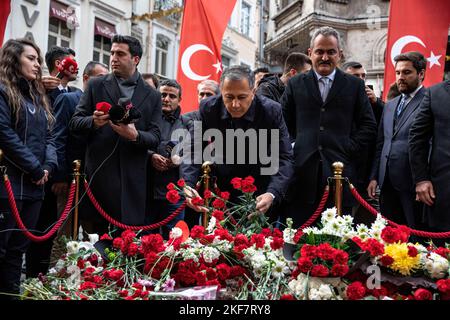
395, 152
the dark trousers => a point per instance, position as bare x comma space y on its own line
38, 254
158, 211
13, 244
400, 206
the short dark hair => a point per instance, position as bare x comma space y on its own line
91, 66
238, 73
351, 64
296, 61
171, 83
133, 43
57, 53
418, 60
262, 69
152, 76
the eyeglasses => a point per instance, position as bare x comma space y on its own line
171, 95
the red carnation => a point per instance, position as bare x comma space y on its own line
225, 195
103, 107
224, 271
412, 251
287, 297
389, 235
207, 194
197, 232
105, 237
132, 249
403, 233
218, 204
117, 243
356, 291
374, 247
172, 196
443, 252
171, 186
320, 271
340, 257
339, 270
304, 264
219, 215
236, 182
277, 233
386, 260
423, 294
277, 243
87, 286
181, 183
249, 188
259, 240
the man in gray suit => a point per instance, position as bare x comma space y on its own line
431, 171
391, 169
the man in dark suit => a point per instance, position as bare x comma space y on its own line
391, 169
238, 111
431, 171
117, 154
329, 117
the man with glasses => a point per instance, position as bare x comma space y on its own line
329, 117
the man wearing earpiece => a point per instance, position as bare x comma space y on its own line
117, 153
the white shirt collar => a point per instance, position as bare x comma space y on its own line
330, 76
61, 87
412, 94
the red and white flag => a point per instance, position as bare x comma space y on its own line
5, 10
418, 25
204, 23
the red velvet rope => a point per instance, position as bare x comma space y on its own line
419, 233
319, 209
54, 229
127, 227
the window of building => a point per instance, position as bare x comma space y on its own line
226, 62
102, 49
103, 33
162, 50
245, 19
58, 33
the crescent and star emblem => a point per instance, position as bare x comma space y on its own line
404, 41
186, 62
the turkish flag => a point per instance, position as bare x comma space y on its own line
204, 23
5, 9
418, 25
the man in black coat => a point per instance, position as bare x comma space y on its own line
391, 169
117, 154
329, 117
431, 171
238, 111
272, 86
165, 167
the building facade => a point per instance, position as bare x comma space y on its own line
87, 26
361, 24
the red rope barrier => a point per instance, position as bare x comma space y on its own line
127, 227
23, 228
419, 233
319, 209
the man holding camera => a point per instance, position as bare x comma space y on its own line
165, 168
117, 152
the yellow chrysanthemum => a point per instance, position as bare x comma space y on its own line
403, 263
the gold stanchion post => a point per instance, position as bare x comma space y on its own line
206, 169
76, 176
338, 168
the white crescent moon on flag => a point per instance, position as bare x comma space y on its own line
186, 59
401, 43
